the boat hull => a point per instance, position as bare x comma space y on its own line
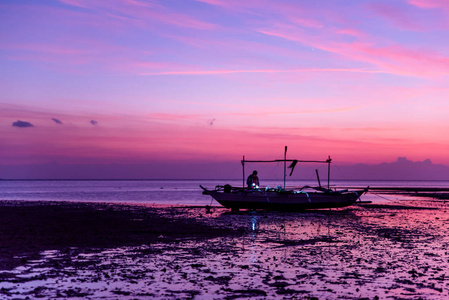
283, 200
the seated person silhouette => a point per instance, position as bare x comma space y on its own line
253, 181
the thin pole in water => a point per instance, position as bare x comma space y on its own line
243, 168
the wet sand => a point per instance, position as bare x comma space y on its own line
393, 250
29, 227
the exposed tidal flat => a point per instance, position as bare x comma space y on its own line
396, 248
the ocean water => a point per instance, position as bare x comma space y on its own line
171, 192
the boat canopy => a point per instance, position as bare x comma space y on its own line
294, 162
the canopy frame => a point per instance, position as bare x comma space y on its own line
292, 166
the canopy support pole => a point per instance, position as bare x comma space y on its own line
285, 164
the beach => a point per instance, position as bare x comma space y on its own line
394, 250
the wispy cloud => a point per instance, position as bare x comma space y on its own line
351, 32
396, 14
297, 111
385, 53
144, 12
78, 52
430, 4
394, 59
77, 3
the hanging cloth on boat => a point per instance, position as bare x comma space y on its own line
292, 166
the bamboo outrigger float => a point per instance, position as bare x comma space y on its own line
281, 198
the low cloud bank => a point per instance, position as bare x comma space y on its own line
401, 169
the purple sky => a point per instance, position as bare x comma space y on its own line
90, 82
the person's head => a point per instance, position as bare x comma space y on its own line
254, 172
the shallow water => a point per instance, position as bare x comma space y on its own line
390, 252
172, 192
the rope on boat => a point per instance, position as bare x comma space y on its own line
302, 192
358, 197
377, 195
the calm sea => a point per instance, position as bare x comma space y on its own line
172, 192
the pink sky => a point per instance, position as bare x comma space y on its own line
212, 80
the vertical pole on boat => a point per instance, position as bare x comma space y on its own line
243, 169
285, 164
328, 171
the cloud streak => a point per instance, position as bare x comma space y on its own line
224, 72
434, 4
393, 59
144, 12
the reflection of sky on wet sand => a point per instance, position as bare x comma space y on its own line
349, 253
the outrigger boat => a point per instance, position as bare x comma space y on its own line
280, 198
